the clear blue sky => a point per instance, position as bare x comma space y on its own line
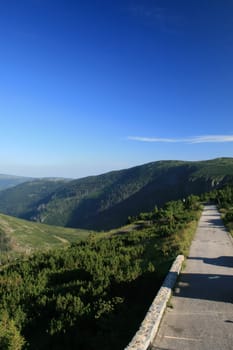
97, 85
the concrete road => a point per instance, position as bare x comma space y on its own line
201, 312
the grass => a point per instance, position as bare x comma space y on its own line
27, 237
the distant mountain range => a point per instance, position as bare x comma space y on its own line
105, 201
7, 181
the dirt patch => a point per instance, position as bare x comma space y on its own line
63, 240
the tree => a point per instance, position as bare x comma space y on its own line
10, 337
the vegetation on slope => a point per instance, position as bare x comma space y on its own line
19, 237
224, 199
27, 198
104, 202
94, 294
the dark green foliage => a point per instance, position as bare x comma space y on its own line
224, 199
105, 201
28, 199
94, 294
10, 338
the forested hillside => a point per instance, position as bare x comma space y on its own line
27, 198
105, 201
94, 294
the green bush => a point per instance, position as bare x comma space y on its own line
94, 293
10, 338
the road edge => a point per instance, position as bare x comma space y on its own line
150, 325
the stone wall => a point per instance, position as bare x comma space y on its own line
149, 327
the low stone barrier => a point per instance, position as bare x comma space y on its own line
149, 327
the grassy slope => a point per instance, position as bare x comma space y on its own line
26, 237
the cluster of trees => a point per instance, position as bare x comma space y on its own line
94, 294
224, 199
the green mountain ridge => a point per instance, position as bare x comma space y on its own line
105, 201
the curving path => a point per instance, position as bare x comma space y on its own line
201, 312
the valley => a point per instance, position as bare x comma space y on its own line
74, 288
95, 285
105, 201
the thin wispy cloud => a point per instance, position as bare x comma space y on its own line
154, 15
190, 140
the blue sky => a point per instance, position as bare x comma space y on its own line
92, 86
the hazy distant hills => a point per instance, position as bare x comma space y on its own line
105, 201
7, 181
